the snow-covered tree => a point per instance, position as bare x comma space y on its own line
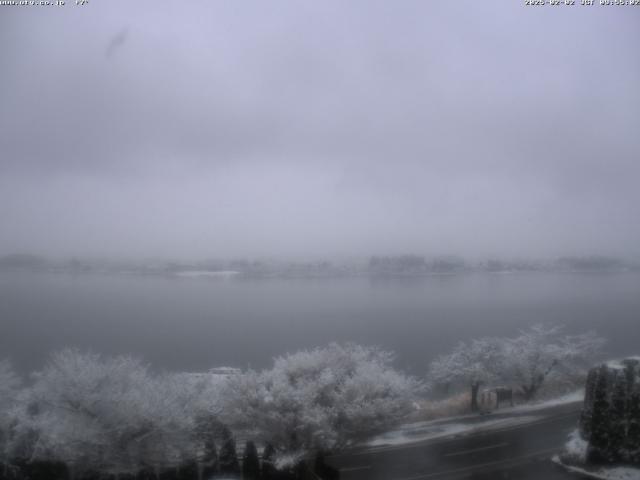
543, 351
320, 399
9, 392
527, 360
470, 364
107, 414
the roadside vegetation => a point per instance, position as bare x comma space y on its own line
89, 416
539, 358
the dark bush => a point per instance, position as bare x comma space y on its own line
41, 470
324, 471
269, 471
228, 457
250, 462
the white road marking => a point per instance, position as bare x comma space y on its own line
482, 465
480, 449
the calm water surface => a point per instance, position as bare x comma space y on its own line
194, 324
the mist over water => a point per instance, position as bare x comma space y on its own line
196, 324
325, 130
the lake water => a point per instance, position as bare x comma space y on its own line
195, 324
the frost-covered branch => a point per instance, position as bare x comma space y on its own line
527, 360
321, 399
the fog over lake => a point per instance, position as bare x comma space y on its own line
323, 129
195, 324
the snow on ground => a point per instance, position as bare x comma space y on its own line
418, 432
575, 454
602, 473
460, 425
617, 364
576, 448
573, 397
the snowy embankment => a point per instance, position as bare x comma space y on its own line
421, 431
469, 424
573, 397
601, 473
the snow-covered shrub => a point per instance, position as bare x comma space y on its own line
321, 399
575, 450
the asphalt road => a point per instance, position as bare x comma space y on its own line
519, 452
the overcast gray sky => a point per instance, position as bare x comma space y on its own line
213, 129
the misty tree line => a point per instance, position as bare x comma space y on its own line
90, 416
